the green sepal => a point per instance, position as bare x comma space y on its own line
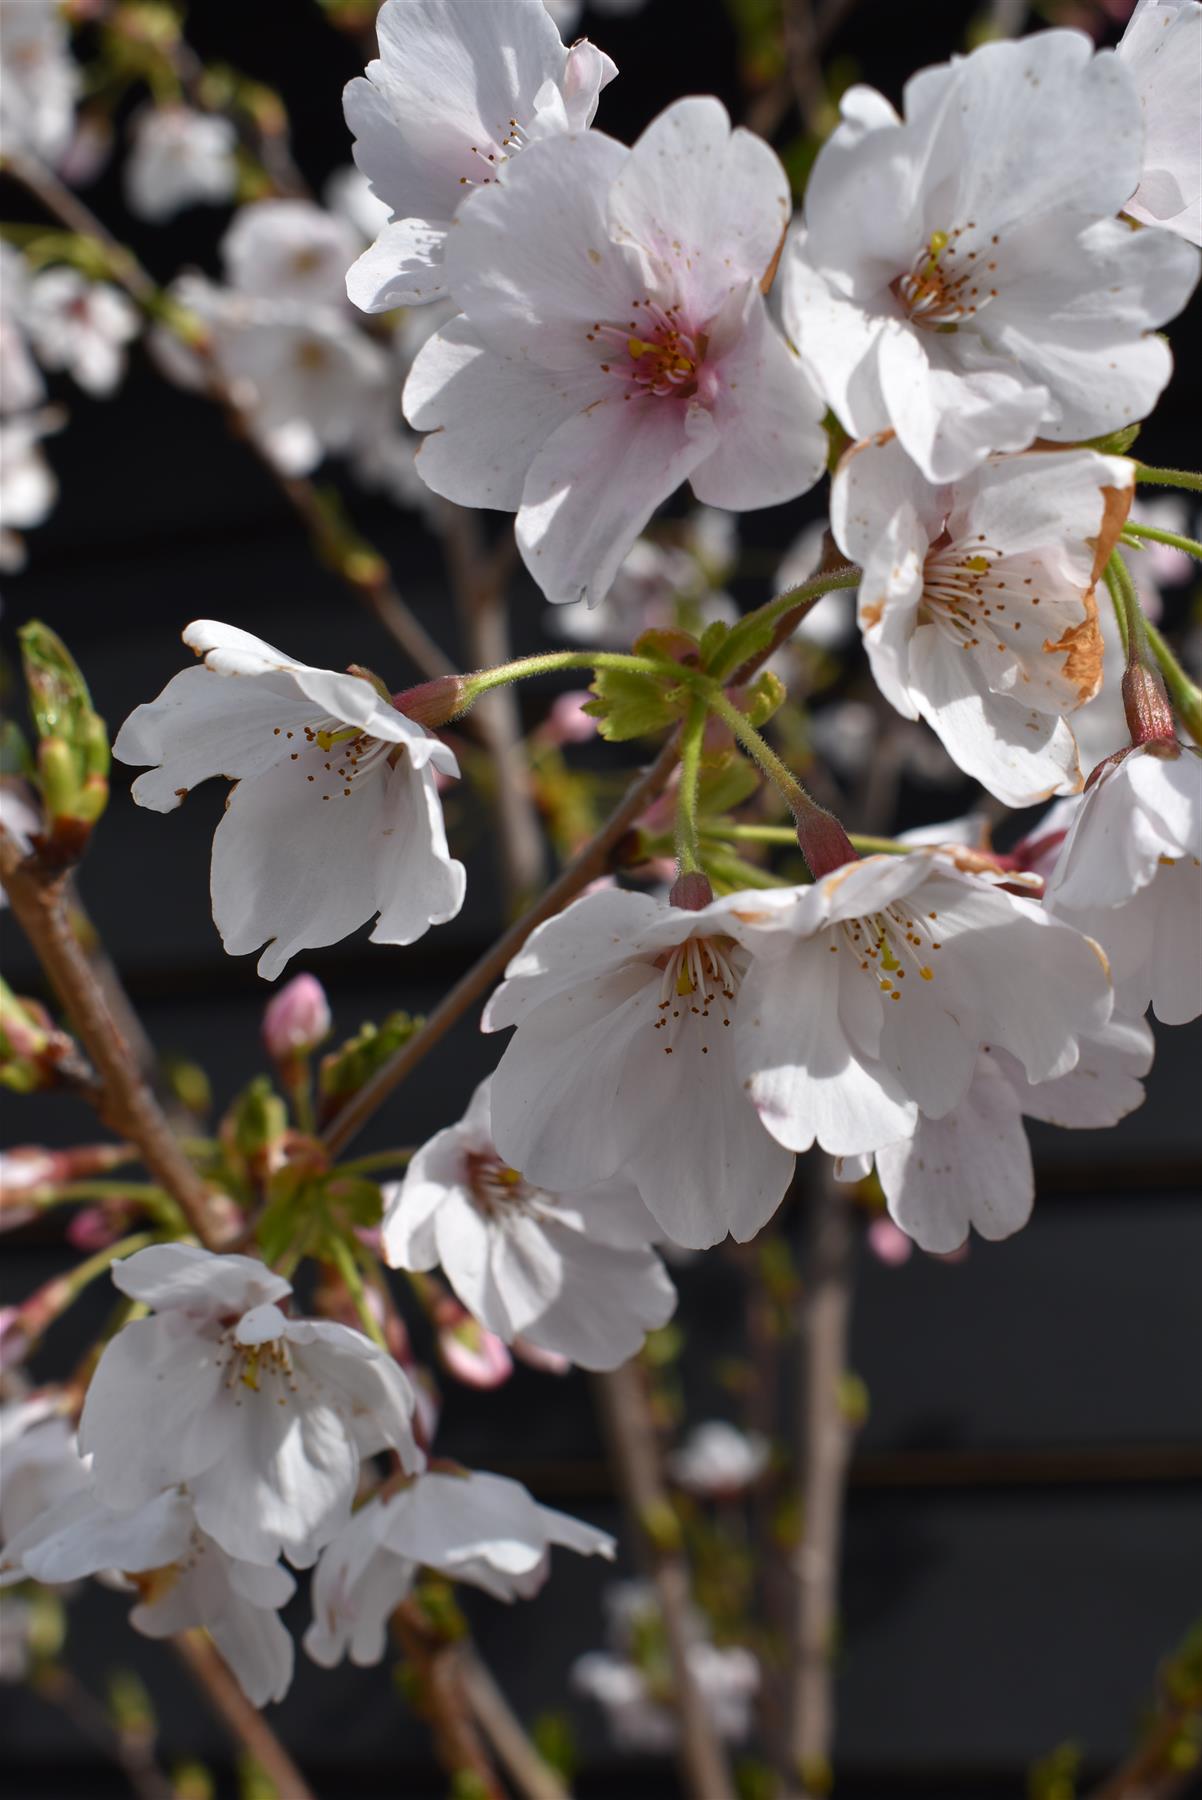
722, 790
766, 695
1114, 443
344, 1071
630, 705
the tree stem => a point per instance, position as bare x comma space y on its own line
243, 1720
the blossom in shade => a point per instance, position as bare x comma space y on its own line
616, 342
21, 384
28, 487
718, 1460
335, 815
265, 1418
973, 1166
183, 1578
1130, 874
871, 992
290, 251
468, 1350
480, 1529
623, 1063
572, 1273
39, 1462
963, 278
39, 81
457, 90
1162, 48
81, 326
179, 157
977, 601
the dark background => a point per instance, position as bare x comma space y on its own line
1023, 1541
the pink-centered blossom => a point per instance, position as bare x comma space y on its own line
614, 342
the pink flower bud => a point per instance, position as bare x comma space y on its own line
297, 1019
692, 891
469, 1352
95, 1227
567, 722
432, 703
824, 843
549, 1361
888, 1243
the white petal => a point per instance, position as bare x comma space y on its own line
404, 267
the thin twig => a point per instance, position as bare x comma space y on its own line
635, 1453
805, 62
525, 1767
133, 1751
590, 862
438, 1668
126, 1104
245, 1721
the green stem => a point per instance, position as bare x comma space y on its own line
1185, 694
742, 640
555, 661
342, 1256
787, 834
734, 872
761, 751
1179, 478
378, 1159
1132, 533
688, 849
1131, 621
1114, 587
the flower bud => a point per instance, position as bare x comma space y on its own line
824, 843
692, 891
296, 1019
469, 1352
433, 703
1146, 704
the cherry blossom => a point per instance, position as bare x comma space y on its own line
977, 601
871, 992
183, 1578
335, 815
572, 1273
718, 1460
179, 157
1162, 48
615, 342
265, 1418
39, 81
623, 1063
81, 326
28, 488
973, 1166
296, 1019
458, 89
21, 384
481, 1529
289, 251
1130, 874
39, 1462
962, 277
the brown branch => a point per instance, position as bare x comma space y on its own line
133, 1751
533, 1777
245, 1722
823, 1451
802, 50
590, 862
39, 902
437, 1665
634, 1450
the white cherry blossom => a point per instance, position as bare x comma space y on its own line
39, 1461
973, 1166
179, 157
623, 1063
21, 384
481, 1529
871, 992
81, 326
28, 487
265, 1418
335, 815
718, 1460
291, 251
615, 342
963, 279
39, 81
1130, 874
182, 1577
573, 1273
977, 600
458, 89
1162, 47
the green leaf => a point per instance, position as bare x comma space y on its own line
722, 790
630, 705
344, 1071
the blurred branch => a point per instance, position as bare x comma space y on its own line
535, 1779
635, 1452
244, 1721
126, 1104
1166, 1763
590, 862
132, 1751
803, 50
443, 1702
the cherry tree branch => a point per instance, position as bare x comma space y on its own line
442, 1700
134, 1752
589, 862
517, 1755
243, 1720
635, 1451
39, 901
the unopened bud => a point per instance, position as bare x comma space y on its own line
824, 843
468, 1351
692, 892
434, 703
1146, 704
297, 1019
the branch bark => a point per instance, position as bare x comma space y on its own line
126, 1104
443, 1697
244, 1721
635, 1452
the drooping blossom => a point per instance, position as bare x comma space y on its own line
179, 157
717, 1460
572, 1273
457, 90
335, 815
1130, 874
263, 1417
977, 601
624, 1063
963, 279
481, 1529
871, 992
183, 1578
39, 81
81, 326
28, 487
615, 342
1162, 48
973, 1166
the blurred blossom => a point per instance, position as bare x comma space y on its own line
845, 735
81, 326
832, 623
28, 488
39, 1462
718, 1460
469, 1352
674, 579
297, 1019
567, 722
550, 1362
21, 384
1157, 566
14, 1343
38, 79
96, 1227
88, 154
888, 1243
348, 193
178, 158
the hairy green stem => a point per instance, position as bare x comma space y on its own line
741, 641
550, 664
1179, 478
1133, 532
688, 848
343, 1259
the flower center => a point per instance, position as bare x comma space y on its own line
971, 594
496, 1189
888, 943
947, 283
258, 1368
488, 158
697, 993
653, 353
335, 758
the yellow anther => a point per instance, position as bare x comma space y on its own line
978, 564
327, 739
684, 981
637, 348
250, 1370
927, 974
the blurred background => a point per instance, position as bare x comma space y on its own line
1022, 1542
